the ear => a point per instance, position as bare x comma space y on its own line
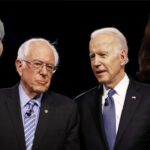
123, 58
19, 66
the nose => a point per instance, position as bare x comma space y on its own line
43, 70
96, 61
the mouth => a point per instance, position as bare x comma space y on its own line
100, 72
42, 82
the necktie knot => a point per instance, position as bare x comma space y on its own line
111, 92
109, 98
30, 108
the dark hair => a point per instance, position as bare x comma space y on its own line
144, 56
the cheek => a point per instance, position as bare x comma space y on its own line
92, 66
48, 83
1, 48
49, 79
113, 64
28, 76
115, 67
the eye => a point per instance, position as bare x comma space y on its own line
92, 56
103, 55
49, 67
37, 64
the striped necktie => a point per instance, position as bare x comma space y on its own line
30, 124
109, 118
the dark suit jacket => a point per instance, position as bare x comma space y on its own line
134, 127
56, 130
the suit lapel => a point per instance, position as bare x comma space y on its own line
96, 110
47, 112
13, 105
95, 107
130, 105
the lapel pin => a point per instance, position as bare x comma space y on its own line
46, 111
133, 97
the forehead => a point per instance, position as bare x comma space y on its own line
40, 50
102, 42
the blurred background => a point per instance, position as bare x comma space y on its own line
69, 25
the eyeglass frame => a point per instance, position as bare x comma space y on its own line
41, 64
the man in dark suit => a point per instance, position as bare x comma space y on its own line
31, 116
118, 121
2, 33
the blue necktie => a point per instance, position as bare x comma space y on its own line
30, 124
109, 119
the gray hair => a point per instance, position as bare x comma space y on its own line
111, 30
2, 31
24, 49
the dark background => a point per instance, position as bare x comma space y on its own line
69, 24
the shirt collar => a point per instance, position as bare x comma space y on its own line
24, 98
120, 88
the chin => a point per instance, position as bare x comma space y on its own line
102, 81
41, 89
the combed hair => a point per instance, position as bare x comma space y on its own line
24, 48
119, 36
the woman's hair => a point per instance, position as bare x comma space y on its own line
144, 56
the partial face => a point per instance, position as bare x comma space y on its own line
107, 61
1, 48
36, 80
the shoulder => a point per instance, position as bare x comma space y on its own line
139, 86
87, 94
58, 99
9, 91
8, 94
62, 103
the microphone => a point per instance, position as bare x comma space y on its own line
106, 102
28, 113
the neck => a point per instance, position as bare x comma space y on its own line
115, 81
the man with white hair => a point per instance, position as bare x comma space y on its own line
115, 115
2, 33
32, 117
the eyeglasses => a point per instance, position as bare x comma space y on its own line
37, 64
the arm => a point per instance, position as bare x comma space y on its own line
72, 141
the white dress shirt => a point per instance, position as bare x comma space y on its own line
119, 97
24, 99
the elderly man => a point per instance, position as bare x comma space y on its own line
31, 116
115, 115
2, 33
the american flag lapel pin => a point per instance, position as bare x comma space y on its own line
133, 97
46, 111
